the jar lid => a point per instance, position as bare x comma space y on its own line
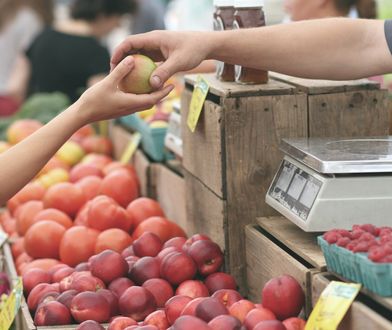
224, 3
248, 3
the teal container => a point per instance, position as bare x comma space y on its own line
153, 139
358, 267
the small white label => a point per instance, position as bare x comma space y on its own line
297, 186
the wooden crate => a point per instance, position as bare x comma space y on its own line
231, 158
275, 246
169, 190
360, 316
343, 108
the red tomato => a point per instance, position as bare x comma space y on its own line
81, 171
26, 214
113, 239
65, 197
31, 192
143, 208
78, 245
43, 239
54, 215
91, 185
160, 226
44, 264
97, 144
104, 213
121, 186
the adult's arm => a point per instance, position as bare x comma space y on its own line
335, 48
102, 101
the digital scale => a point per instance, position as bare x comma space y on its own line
323, 184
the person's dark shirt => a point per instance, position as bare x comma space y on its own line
64, 62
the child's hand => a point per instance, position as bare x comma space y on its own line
105, 101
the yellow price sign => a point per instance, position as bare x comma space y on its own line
332, 306
11, 306
131, 148
198, 97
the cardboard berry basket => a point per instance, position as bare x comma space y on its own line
377, 277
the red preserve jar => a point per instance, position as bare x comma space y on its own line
249, 14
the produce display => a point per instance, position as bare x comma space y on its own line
91, 251
363, 255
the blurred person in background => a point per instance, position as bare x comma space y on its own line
20, 22
69, 57
304, 9
150, 16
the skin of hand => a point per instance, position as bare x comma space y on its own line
334, 48
104, 100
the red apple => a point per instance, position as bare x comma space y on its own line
119, 285
137, 302
283, 296
174, 307
164, 252
157, 318
225, 322
66, 297
90, 306
145, 269
62, 273
147, 245
190, 308
257, 315
219, 281
227, 297
188, 322
33, 277
194, 238
207, 255
193, 289
177, 242
108, 265
83, 266
84, 283
177, 268
270, 325
37, 293
90, 325
210, 308
121, 322
52, 313
294, 323
111, 299
241, 308
127, 252
160, 289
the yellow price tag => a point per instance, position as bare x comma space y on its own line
104, 128
11, 306
332, 306
198, 97
131, 148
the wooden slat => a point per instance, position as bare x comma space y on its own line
205, 211
316, 86
359, 316
142, 167
230, 89
266, 260
302, 243
203, 149
254, 129
349, 114
170, 193
120, 138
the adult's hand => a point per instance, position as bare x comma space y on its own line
178, 51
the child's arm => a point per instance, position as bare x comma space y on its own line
22, 162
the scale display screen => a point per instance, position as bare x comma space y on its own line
295, 189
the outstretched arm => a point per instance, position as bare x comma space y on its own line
335, 48
102, 101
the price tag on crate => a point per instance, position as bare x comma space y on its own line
198, 97
131, 148
11, 305
332, 306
